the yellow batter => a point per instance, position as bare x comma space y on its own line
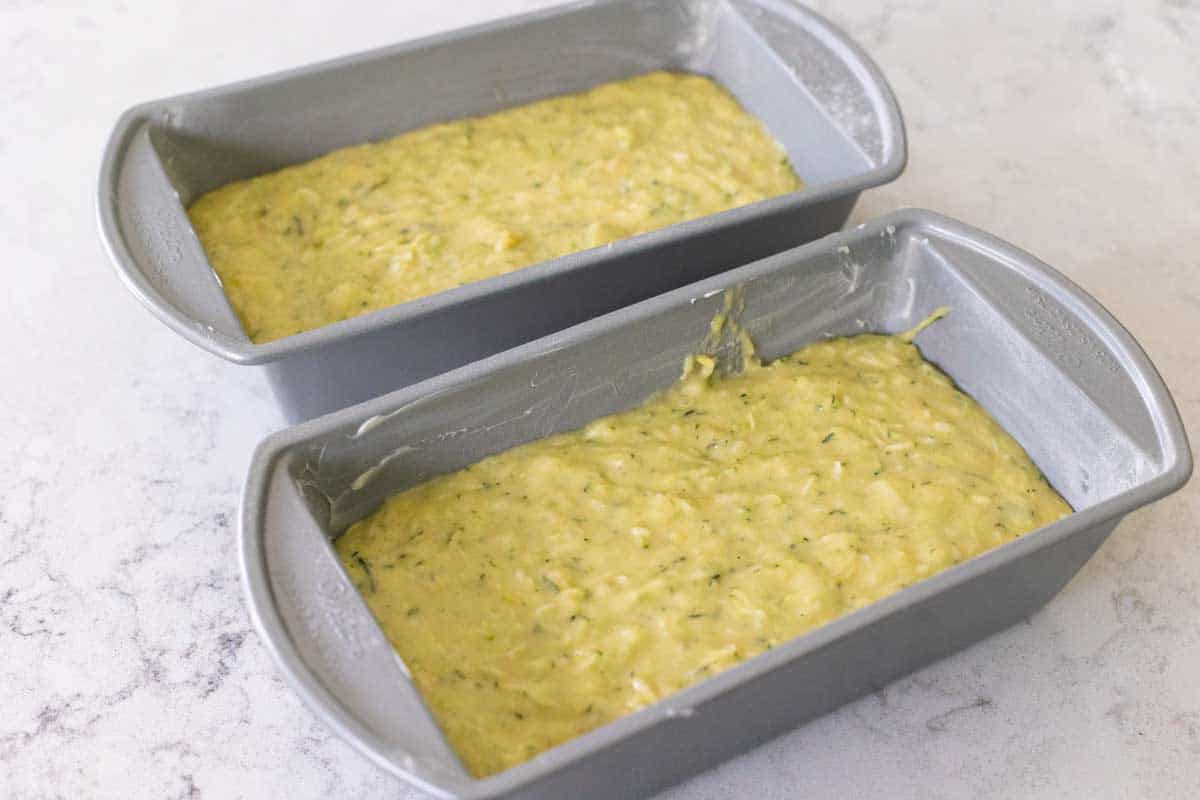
552, 588
367, 227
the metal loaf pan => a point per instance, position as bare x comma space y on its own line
1045, 359
817, 92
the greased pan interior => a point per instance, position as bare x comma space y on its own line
1055, 369
819, 95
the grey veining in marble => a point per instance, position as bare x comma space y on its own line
128, 667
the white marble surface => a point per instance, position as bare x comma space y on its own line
127, 664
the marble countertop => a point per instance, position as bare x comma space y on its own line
128, 667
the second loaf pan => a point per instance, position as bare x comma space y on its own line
1042, 357
817, 92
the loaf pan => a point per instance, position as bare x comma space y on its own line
817, 92
1041, 356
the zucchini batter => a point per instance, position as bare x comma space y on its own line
367, 227
552, 588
